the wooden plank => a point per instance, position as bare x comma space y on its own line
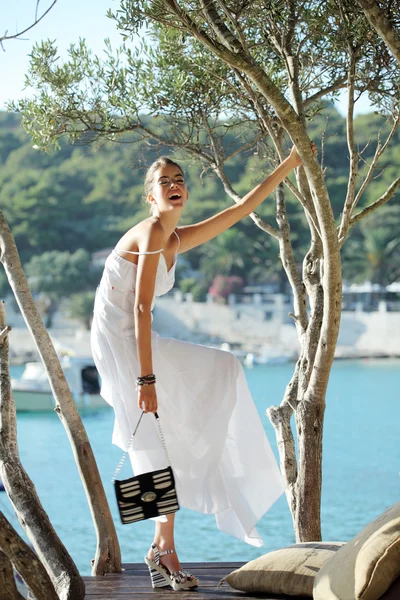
142, 577
134, 584
140, 584
193, 595
191, 565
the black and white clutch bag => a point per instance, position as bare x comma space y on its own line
147, 495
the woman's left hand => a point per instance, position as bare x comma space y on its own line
295, 158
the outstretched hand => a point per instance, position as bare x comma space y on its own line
296, 158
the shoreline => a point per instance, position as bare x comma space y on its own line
76, 342
250, 336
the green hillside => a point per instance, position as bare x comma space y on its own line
82, 198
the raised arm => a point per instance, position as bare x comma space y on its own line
198, 233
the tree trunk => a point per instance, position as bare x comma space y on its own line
8, 588
280, 420
108, 556
305, 394
21, 491
25, 562
307, 516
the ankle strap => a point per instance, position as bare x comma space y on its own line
158, 553
163, 552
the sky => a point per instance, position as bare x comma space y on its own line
66, 22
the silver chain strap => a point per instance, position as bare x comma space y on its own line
121, 462
162, 437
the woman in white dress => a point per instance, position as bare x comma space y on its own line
221, 458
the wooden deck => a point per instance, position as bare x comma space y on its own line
134, 584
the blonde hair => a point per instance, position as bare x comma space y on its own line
162, 161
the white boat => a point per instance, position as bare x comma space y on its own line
272, 359
32, 391
245, 357
248, 360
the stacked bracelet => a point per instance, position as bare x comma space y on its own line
146, 380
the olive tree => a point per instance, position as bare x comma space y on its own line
53, 555
54, 573
187, 72
107, 556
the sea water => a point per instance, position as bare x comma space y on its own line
361, 469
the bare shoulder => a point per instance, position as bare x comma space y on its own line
152, 233
143, 236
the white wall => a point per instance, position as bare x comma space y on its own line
361, 334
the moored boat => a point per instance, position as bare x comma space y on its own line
32, 392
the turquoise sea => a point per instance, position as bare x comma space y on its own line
361, 469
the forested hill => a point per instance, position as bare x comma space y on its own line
79, 197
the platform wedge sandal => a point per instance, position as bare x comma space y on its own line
161, 577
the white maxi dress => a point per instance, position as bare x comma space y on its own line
221, 458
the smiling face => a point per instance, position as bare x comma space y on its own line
168, 191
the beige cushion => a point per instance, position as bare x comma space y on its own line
367, 565
288, 571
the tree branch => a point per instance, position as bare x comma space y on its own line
246, 146
266, 121
7, 582
25, 562
235, 23
4, 332
376, 16
354, 158
312, 335
22, 494
244, 62
264, 225
289, 265
223, 33
279, 417
215, 46
108, 558
382, 200
195, 150
337, 85
17, 35
292, 62
380, 149
292, 67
